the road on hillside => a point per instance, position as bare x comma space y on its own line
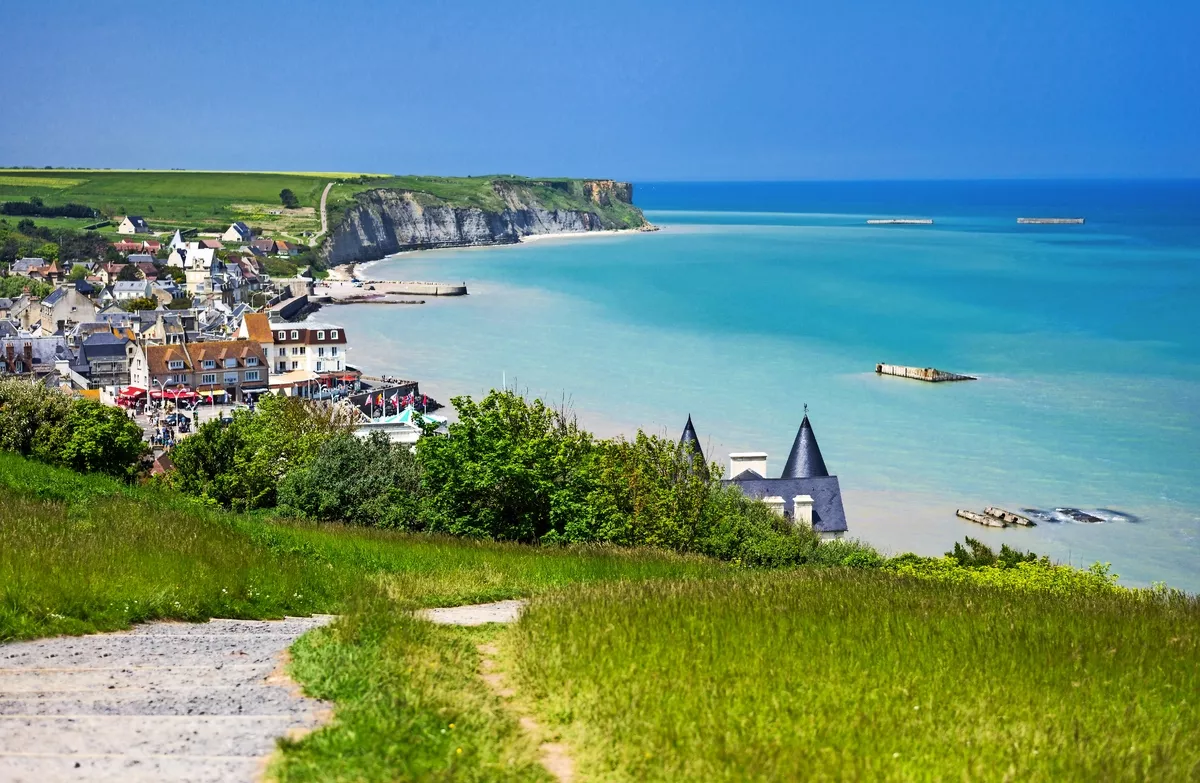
324, 216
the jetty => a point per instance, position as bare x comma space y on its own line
928, 374
900, 221
1050, 221
1009, 517
981, 519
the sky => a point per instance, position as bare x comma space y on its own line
641, 91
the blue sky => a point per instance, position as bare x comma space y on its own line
634, 90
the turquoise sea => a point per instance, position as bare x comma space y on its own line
756, 298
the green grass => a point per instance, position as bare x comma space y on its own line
167, 199
863, 675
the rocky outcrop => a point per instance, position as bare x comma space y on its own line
385, 221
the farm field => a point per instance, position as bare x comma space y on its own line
172, 199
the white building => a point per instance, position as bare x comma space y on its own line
133, 224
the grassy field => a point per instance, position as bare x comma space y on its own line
171, 199
652, 666
861, 675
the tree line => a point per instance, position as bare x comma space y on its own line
35, 207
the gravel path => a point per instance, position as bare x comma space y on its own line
478, 614
164, 701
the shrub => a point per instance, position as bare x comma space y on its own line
46, 424
240, 466
366, 482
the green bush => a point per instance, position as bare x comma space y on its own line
366, 482
240, 465
46, 424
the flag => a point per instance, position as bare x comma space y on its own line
380, 402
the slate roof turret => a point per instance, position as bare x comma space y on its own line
805, 460
689, 437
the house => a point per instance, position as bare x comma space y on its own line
127, 246
262, 247
190, 256
5, 308
176, 241
125, 290
804, 493
211, 244
232, 370
103, 359
64, 306
152, 245
109, 273
167, 329
140, 258
32, 356
35, 269
286, 248
133, 224
312, 350
238, 232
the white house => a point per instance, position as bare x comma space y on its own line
133, 224
238, 232
192, 256
124, 290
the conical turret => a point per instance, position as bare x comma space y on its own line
805, 460
689, 438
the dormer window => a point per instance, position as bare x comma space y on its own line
175, 364
283, 335
208, 364
320, 335
333, 334
295, 335
231, 362
251, 361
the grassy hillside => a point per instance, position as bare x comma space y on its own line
652, 666
170, 199
860, 675
211, 200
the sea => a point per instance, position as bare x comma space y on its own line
754, 300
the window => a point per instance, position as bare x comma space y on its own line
252, 375
283, 335
230, 363
281, 367
333, 334
318, 366
295, 350
302, 350
334, 351
208, 364
251, 361
175, 364
321, 351
295, 365
210, 378
295, 335
283, 351
320, 335
231, 378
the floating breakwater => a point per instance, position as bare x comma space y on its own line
1051, 221
900, 222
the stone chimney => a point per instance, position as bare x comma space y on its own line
748, 460
775, 503
802, 514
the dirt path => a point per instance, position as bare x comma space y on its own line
555, 756
164, 701
324, 214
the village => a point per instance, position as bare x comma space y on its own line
189, 327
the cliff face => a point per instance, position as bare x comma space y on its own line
385, 221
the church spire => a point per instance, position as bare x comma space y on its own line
689, 438
805, 460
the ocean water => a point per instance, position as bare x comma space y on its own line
756, 299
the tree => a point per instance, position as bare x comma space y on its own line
102, 439
364, 482
241, 465
48, 251
129, 272
78, 272
511, 469
288, 198
140, 303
